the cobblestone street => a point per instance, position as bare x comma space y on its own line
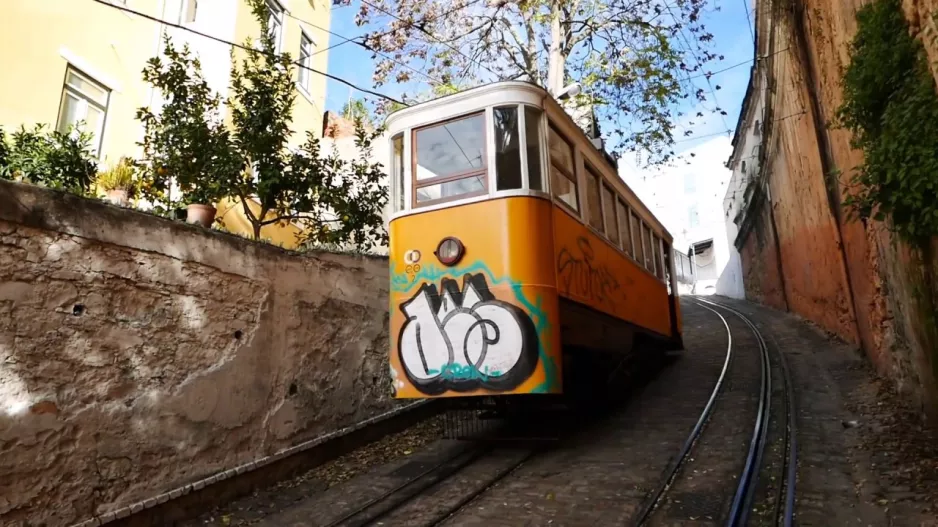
850, 471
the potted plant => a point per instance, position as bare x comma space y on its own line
118, 182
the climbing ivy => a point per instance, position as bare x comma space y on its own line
891, 108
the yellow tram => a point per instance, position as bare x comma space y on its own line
515, 249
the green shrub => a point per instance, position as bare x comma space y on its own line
891, 108
118, 177
50, 158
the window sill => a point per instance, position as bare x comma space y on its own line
306, 95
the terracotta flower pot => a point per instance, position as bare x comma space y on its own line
118, 197
204, 215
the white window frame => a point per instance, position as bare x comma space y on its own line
303, 69
276, 12
184, 11
84, 102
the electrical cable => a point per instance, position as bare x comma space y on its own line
246, 48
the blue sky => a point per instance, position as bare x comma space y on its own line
729, 26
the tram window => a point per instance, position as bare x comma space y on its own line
561, 153
655, 253
562, 175
397, 167
637, 239
609, 214
532, 133
592, 199
622, 213
450, 160
507, 148
659, 256
646, 248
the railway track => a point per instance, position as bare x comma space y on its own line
747, 481
380, 509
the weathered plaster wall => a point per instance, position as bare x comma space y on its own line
138, 354
854, 279
761, 275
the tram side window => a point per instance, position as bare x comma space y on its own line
397, 168
646, 248
637, 240
562, 173
609, 212
532, 133
592, 199
507, 148
660, 259
622, 212
449, 161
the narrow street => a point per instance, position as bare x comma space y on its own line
851, 469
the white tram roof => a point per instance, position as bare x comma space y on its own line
518, 92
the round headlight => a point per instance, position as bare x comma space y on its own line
450, 251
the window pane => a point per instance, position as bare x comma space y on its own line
451, 189
653, 250
563, 188
451, 148
69, 113
609, 214
304, 62
646, 248
191, 7
659, 259
560, 151
507, 148
623, 215
94, 121
592, 199
88, 89
397, 168
637, 240
532, 132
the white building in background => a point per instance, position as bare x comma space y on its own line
744, 162
688, 199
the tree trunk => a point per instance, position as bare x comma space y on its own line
257, 229
555, 62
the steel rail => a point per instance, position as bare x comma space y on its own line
672, 470
473, 454
466, 500
790, 465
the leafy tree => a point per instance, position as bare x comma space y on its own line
633, 59
357, 109
333, 198
186, 142
49, 158
4, 151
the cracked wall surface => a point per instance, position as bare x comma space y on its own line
139, 354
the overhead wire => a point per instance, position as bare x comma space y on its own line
368, 48
246, 48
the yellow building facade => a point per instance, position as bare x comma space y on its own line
70, 60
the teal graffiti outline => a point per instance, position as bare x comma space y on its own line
402, 283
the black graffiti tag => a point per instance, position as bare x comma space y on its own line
464, 339
580, 274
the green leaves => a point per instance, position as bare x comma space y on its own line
891, 108
187, 142
49, 158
